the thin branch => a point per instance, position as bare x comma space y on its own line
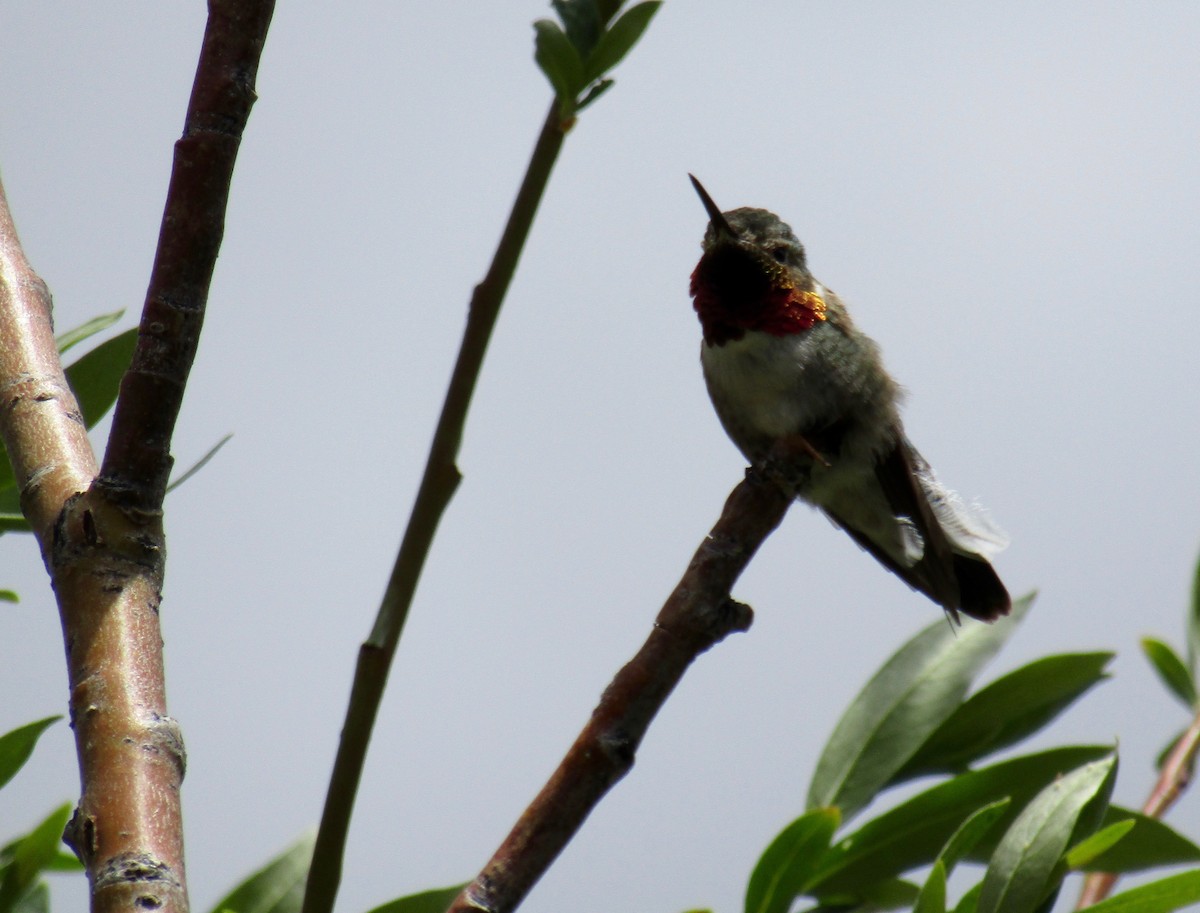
697, 615
438, 484
1173, 779
137, 461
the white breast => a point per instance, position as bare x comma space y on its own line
766, 380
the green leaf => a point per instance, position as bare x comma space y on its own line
1104, 839
17, 746
1007, 711
914, 832
9, 596
64, 862
932, 898
96, 377
1021, 873
200, 463
435, 901
1171, 670
597, 89
33, 853
785, 868
1165, 752
559, 60
36, 899
83, 331
1150, 844
890, 894
618, 39
1172, 893
971, 832
14, 523
917, 689
278, 887
1193, 625
581, 21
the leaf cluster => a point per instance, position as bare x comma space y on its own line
577, 55
25, 859
1030, 820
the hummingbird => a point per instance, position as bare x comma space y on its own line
800, 389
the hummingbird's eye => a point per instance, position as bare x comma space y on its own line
780, 253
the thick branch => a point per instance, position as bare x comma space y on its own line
42, 429
102, 540
697, 615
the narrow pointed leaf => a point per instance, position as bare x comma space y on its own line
96, 377
1172, 893
786, 867
1021, 873
434, 901
1007, 711
13, 523
9, 596
278, 887
971, 832
17, 746
1151, 843
559, 60
889, 894
932, 898
1171, 670
35, 900
1193, 625
581, 22
917, 690
597, 89
913, 833
1104, 839
33, 853
83, 331
8, 479
619, 38
200, 463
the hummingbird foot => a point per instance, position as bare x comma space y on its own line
790, 463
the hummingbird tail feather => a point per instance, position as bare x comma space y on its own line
953, 568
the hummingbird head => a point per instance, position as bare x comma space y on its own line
753, 275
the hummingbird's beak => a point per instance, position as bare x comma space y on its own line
719, 223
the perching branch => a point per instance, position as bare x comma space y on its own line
1173, 779
102, 538
697, 615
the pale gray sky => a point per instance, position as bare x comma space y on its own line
1007, 196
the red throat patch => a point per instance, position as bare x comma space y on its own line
776, 307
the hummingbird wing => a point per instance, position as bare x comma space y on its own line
953, 568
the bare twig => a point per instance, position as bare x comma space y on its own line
437, 487
137, 460
102, 537
1173, 779
438, 484
697, 615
